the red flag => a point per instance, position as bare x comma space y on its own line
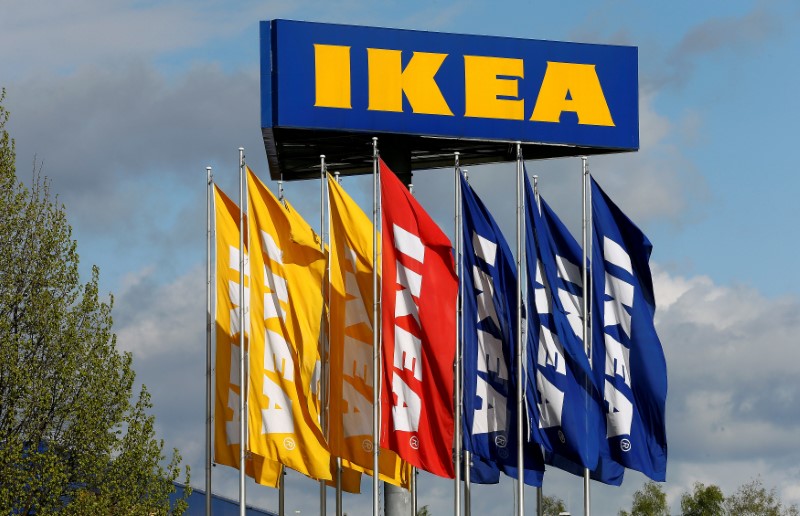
419, 332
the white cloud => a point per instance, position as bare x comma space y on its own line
132, 145
670, 288
732, 375
161, 319
658, 184
64, 36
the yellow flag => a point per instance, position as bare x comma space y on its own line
351, 476
226, 408
351, 350
286, 306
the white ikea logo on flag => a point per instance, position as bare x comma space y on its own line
407, 347
616, 312
491, 417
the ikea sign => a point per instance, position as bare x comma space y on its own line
326, 77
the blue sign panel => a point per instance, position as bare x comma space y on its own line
325, 77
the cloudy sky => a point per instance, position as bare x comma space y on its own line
124, 103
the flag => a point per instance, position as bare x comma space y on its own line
562, 399
490, 286
563, 395
481, 471
351, 333
227, 327
351, 476
629, 362
418, 305
559, 386
286, 304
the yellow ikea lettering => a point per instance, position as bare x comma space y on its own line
491, 86
388, 81
332, 72
571, 87
483, 86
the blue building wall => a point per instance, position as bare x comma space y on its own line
220, 506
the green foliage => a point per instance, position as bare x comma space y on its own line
703, 501
71, 440
650, 500
423, 511
753, 499
552, 505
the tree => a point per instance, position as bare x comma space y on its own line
71, 439
703, 501
552, 505
753, 499
650, 500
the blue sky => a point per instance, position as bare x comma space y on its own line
124, 103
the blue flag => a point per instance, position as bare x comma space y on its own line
489, 321
629, 363
563, 402
482, 471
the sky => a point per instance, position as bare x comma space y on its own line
122, 104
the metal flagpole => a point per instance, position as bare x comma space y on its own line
209, 183
466, 457
457, 365
281, 493
413, 486
282, 481
520, 247
539, 495
323, 347
376, 349
586, 336
467, 464
338, 459
413, 481
242, 375
338, 486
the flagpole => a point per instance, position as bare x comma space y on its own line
587, 349
457, 387
338, 459
376, 350
466, 456
339, 507
539, 494
242, 376
209, 184
323, 348
413, 485
282, 481
588, 190
520, 248
413, 479
281, 493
